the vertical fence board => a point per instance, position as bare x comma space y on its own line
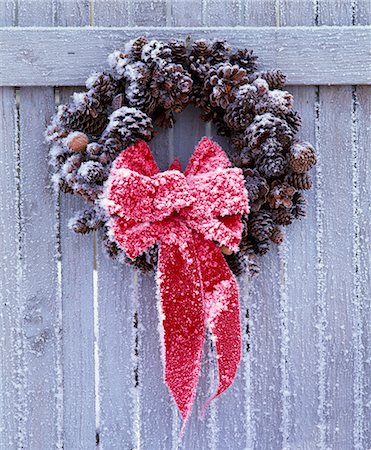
335, 109
10, 356
77, 260
39, 287
298, 280
117, 306
362, 281
265, 319
152, 13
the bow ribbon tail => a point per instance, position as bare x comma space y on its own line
222, 311
183, 320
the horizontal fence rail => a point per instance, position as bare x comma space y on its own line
65, 56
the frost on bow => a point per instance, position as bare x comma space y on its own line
189, 215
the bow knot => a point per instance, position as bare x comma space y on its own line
186, 214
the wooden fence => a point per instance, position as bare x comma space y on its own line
80, 363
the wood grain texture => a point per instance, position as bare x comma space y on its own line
39, 288
11, 378
298, 279
77, 263
59, 56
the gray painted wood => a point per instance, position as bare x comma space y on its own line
362, 258
39, 290
335, 55
118, 293
10, 338
76, 264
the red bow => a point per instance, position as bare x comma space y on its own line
186, 214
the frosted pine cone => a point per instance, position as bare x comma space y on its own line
275, 78
238, 141
201, 50
293, 120
300, 180
91, 172
171, 86
103, 85
276, 102
276, 236
219, 52
237, 262
265, 126
260, 225
135, 47
302, 157
257, 189
240, 113
85, 114
118, 61
178, 52
128, 124
155, 52
281, 194
271, 161
245, 59
223, 82
87, 220
283, 216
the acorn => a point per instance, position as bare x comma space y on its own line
225, 250
77, 141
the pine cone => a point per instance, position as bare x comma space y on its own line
200, 51
110, 245
91, 172
223, 82
257, 189
245, 59
300, 180
299, 209
275, 78
219, 52
276, 102
293, 120
137, 93
238, 141
301, 157
240, 113
271, 161
237, 262
178, 52
281, 193
171, 86
86, 114
87, 220
127, 125
282, 216
260, 225
135, 47
118, 61
155, 52
276, 236
103, 86
265, 126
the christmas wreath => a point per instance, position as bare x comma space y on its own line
191, 225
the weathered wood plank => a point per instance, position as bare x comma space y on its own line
298, 280
47, 56
265, 396
118, 408
186, 12
337, 240
218, 13
77, 262
11, 376
40, 296
362, 281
